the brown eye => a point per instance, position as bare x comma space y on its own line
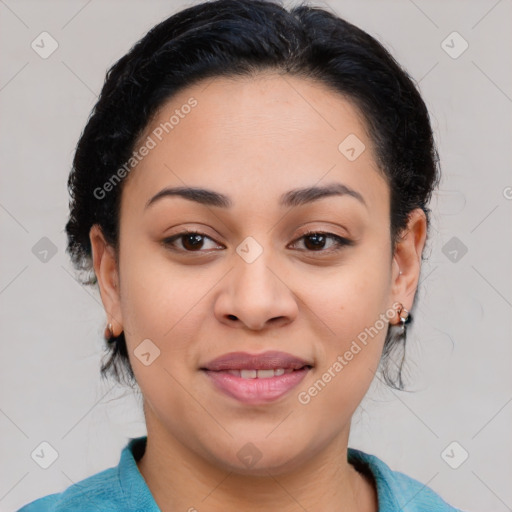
316, 241
191, 241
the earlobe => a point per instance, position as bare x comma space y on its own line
407, 258
105, 268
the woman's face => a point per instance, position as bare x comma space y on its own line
252, 282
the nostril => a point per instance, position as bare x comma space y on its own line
232, 317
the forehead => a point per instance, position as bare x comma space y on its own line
254, 138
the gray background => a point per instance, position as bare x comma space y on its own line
459, 354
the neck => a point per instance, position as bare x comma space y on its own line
179, 479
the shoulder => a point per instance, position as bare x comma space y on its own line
121, 487
98, 492
396, 490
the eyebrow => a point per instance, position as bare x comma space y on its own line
292, 198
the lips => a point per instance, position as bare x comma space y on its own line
256, 379
271, 360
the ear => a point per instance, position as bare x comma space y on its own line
105, 268
407, 259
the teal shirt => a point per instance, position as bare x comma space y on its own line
123, 488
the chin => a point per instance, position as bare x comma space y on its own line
263, 457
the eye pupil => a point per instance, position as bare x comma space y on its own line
194, 239
318, 240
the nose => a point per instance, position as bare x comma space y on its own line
255, 296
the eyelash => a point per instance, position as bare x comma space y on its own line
340, 242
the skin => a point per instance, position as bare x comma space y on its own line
254, 139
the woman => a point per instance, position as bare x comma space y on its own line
251, 193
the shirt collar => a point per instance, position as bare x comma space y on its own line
134, 487
136, 491
381, 475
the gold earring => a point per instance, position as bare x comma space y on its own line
404, 315
109, 332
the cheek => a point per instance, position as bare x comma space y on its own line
149, 290
162, 302
352, 299
353, 305
347, 366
